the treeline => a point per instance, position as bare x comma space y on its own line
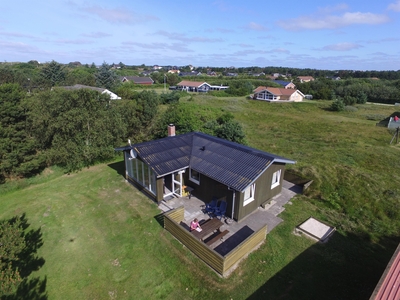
353, 90
78, 128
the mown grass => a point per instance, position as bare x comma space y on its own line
103, 240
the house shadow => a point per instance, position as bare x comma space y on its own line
233, 241
119, 167
345, 267
27, 262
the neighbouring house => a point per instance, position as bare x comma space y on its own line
272, 94
230, 74
209, 166
192, 73
174, 71
388, 287
147, 73
303, 79
286, 84
138, 80
195, 86
333, 77
100, 90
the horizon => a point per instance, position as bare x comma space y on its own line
351, 35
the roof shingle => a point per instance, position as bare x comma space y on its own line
229, 163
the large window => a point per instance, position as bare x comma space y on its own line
276, 179
194, 176
141, 173
249, 194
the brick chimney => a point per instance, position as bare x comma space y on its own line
171, 130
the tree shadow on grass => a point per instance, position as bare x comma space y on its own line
27, 262
119, 167
345, 267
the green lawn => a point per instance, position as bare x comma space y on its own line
103, 238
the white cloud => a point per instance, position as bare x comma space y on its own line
73, 41
395, 6
332, 21
220, 30
96, 35
329, 9
242, 45
259, 52
178, 47
118, 15
255, 26
341, 47
183, 38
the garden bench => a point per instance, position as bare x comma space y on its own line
217, 237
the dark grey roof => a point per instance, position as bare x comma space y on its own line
229, 163
282, 82
81, 86
139, 80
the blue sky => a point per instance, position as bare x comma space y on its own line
351, 35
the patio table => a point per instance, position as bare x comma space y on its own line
189, 190
207, 228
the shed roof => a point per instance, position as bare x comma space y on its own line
138, 80
282, 82
276, 91
229, 163
388, 287
191, 83
81, 86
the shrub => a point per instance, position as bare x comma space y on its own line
350, 108
337, 105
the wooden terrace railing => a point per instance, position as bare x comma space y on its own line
221, 264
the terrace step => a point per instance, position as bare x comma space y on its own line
164, 206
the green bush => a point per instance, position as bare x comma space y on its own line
350, 108
337, 105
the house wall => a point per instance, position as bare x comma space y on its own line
265, 95
263, 191
209, 188
296, 97
160, 190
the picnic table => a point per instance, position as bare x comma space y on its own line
208, 227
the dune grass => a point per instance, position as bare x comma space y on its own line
103, 238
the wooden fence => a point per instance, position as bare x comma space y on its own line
221, 264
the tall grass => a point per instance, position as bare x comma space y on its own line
102, 238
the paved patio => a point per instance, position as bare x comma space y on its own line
238, 231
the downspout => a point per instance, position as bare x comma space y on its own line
233, 200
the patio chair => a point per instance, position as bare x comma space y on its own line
212, 205
220, 210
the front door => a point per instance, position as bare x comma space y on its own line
177, 183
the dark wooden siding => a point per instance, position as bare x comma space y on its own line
263, 191
159, 189
209, 188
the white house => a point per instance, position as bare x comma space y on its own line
272, 94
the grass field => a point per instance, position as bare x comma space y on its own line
102, 238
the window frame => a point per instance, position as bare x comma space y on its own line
276, 179
195, 180
251, 198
